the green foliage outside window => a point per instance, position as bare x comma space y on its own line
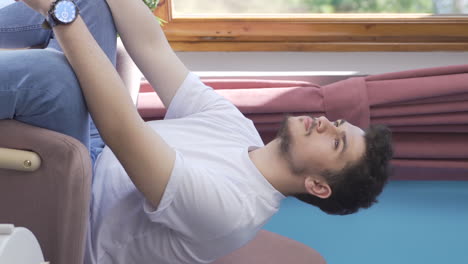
152, 4
367, 6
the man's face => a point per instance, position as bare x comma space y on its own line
312, 145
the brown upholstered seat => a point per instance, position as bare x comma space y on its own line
53, 201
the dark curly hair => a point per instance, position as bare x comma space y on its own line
357, 185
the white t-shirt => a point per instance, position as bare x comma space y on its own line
216, 199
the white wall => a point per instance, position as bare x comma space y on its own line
357, 62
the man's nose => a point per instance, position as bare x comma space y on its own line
322, 124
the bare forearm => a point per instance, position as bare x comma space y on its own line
105, 94
147, 45
136, 25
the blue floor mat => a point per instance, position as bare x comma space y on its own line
414, 222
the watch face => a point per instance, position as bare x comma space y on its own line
65, 11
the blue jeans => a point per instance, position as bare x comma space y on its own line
38, 86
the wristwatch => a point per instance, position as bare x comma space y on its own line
61, 12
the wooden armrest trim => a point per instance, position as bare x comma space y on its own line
20, 160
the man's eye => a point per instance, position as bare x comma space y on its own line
335, 123
337, 143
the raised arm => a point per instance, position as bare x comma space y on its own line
147, 45
146, 157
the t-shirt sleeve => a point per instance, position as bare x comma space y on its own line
193, 96
197, 204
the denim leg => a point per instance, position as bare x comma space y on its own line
39, 87
20, 27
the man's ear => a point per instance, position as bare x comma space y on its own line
317, 187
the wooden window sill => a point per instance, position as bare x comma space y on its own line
370, 32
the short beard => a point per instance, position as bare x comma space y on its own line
284, 136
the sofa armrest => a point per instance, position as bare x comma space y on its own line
53, 201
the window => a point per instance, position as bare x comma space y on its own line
316, 25
186, 7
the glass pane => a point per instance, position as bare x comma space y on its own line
191, 7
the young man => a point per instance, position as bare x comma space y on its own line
199, 184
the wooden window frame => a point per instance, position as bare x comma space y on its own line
363, 32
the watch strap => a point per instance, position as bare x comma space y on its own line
50, 21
